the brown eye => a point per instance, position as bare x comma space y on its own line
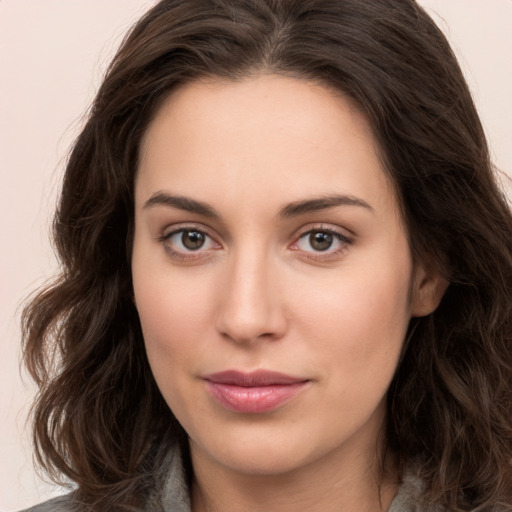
193, 240
323, 242
188, 244
183, 241
320, 240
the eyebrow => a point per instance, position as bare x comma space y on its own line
321, 203
294, 209
182, 203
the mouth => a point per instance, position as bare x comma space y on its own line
255, 392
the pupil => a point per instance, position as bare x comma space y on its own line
320, 241
192, 240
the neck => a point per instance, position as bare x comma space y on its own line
356, 486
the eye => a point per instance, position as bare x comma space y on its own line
189, 240
186, 241
317, 240
325, 241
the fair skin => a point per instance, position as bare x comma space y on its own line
249, 274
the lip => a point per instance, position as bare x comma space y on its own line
255, 392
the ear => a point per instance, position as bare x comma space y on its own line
428, 290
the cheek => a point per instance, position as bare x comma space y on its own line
174, 316
359, 322
174, 311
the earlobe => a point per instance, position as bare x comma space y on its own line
429, 287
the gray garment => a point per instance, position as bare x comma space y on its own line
174, 497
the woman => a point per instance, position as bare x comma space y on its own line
286, 272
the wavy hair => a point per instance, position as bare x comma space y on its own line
99, 417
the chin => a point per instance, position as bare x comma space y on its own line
260, 460
266, 451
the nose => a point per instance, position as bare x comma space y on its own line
250, 305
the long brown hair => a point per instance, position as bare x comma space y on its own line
99, 417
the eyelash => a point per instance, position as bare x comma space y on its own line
180, 255
344, 241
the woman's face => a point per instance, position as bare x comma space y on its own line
272, 273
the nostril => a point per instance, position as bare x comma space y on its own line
250, 332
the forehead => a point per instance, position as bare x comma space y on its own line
236, 140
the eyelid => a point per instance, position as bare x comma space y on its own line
338, 232
172, 229
343, 233
188, 256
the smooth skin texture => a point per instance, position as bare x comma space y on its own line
268, 236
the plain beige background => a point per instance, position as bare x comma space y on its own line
52, 56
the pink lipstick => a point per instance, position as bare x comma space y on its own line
255, 392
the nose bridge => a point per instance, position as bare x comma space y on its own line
250, 308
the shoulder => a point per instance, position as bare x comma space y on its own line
410, 497
61, 504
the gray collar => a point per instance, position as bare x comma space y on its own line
173, 496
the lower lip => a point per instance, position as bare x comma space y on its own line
257, 399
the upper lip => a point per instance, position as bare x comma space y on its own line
252, 379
